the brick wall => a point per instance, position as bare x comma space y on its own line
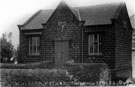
23, 47
70, 32
53, 32
123, 44
107, 45
24, 56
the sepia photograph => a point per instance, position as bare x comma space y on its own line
67, 43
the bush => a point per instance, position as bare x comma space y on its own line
71, 73
41, 65
86, 72
33, 76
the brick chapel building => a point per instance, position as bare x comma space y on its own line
89, 34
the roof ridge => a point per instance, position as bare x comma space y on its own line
90, 5
100, 4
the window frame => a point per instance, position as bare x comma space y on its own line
34, 45
93, 44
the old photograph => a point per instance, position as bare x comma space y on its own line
53, 43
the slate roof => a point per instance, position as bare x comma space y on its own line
92, 15
36, 21
98, 15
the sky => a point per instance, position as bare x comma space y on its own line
15, 12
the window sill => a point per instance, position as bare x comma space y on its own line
96, 54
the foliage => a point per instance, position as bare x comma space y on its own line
33, 76
37, 65
86, 72
7, 48
69, 76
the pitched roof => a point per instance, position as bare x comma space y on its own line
36, 21
92, 15
99, 14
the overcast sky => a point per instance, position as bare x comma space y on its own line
14, 12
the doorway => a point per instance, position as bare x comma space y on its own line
61, 53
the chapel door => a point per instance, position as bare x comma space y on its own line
61, 53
